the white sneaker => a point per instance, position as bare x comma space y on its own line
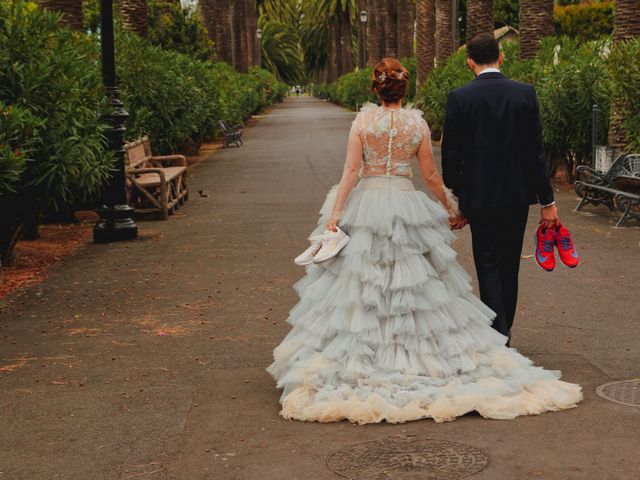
306, 257
332, 243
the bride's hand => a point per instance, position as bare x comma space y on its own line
331, 225
459, 222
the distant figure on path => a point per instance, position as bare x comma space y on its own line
388, 329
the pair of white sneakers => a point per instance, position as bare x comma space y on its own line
323, 247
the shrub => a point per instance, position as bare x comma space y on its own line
354, 89
51, 75
585, 21
625, 71
179, 30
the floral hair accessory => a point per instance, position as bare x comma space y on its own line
400, 75
382, 77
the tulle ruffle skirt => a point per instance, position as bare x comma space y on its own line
389, 329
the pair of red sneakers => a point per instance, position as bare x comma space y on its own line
547, 239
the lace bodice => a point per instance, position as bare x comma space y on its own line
390, 139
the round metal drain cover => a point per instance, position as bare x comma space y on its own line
407, 457
625, 392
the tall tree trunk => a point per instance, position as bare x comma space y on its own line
626, 26
406, 24
383, 18
373, 36
425, 39
71, 10
479, 17
332, 57
251, 27
346, 42
392, 28
239, 36
135, 16
443, 30
216, 18
536, 21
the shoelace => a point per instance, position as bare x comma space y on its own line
565, 243
547, 245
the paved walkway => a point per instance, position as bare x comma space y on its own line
145, 360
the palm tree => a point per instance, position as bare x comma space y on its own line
216, 18
251, 27
406, 22
391, 24
443, 30
626, 26
374, 38
71, 11
239, 36
135, 16
425, 39
536, 21
479, 17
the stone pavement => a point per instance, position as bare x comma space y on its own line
145, 360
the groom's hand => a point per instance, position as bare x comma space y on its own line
458, 223
549, 216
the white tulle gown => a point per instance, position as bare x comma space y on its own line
389, 329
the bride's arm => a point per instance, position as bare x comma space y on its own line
434, 181
349, 177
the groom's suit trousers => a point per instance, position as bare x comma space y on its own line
497, 238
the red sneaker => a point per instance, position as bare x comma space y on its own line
566, 250
545, 240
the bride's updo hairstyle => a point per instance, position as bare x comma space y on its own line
389, 80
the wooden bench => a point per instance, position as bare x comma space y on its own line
231, 135
618, 188
155, 183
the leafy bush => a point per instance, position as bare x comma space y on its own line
50, 76
586, 21
179, 30
176, 99
625, 72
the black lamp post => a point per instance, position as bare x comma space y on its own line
115, 215
259, 47
362, 38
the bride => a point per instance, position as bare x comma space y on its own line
389, 328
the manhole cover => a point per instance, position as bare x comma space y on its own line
626, 392
407, 457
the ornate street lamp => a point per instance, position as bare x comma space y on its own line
362, 38
115, 215
259, 46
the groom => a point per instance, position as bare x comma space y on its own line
494, 161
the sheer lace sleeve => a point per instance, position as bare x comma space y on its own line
352, 166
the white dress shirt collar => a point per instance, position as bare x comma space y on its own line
489, 70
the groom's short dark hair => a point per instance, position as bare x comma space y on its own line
483, 49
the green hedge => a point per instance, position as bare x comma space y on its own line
586, 21
354, 88
568, 83
625, 72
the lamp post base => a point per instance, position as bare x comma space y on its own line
115, 224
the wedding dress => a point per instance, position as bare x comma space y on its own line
389, 329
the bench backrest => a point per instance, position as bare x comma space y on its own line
630, 166
138, 152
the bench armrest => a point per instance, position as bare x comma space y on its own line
589, 175
138, 171
180, 160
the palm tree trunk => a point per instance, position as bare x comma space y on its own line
71, 10
345, 41
536, 21
392, 28
135, 16
479, 17
443, 30
239, 36
406, 24
383, 17
425, 39
251, 27
626, 26
216, 18
373, 33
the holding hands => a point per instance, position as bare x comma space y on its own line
458, 222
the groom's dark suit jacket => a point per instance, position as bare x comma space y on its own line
492, 151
